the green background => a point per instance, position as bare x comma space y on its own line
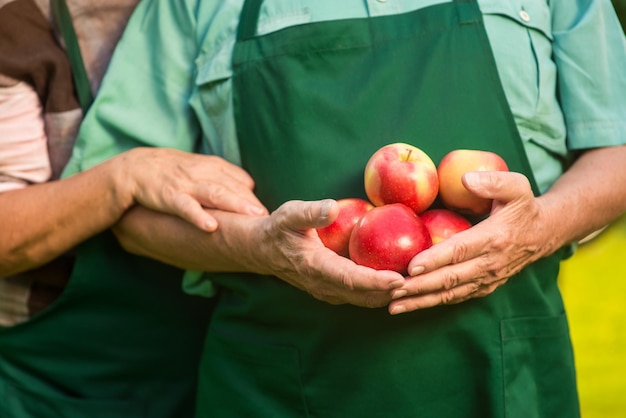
593, 283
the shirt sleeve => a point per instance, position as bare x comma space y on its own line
23, 143
143, 99
590, 54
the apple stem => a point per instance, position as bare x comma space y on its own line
408, 155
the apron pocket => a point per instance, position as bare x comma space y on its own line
538, 368
239, 377
16, 402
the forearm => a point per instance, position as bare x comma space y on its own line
43, 221
284, 244
173, 241
591, 194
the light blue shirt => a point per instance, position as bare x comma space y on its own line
562, 65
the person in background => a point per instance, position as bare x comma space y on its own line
300, 94
87, 353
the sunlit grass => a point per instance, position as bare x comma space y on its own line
594, 288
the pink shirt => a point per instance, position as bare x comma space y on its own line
23, 143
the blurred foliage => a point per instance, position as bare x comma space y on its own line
593, 283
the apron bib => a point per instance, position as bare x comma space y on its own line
312, 103
122, 341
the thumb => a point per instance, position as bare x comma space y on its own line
503, 186
309, 214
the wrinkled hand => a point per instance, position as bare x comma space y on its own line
475, 262
182, 184
292, 251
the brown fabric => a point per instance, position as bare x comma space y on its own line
29, 52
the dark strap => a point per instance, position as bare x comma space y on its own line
248, 19
81, 81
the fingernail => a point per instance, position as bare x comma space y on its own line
210, 226
396, 284
399, 294
416, 270
325, 210
398, 310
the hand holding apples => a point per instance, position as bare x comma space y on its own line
467, 266
286, 245
400, 177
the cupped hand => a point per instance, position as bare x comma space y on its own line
475, 262
292, 251
184, 184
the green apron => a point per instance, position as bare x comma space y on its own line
312, 103
122, 340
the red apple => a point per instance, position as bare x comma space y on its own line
451, 168
443, 223
388, 237
401, 173
336, 236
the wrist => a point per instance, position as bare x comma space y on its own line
122, 185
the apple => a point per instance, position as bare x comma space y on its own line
388, 237
336, 236
443, 223
401, 173
450, 170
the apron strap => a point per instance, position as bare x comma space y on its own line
248, 19
468, 11
81, 80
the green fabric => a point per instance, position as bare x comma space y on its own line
176, 55
81, 80
312, 102
121, 341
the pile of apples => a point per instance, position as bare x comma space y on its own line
399, 220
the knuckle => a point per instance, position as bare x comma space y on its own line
215, 193
459, 252
347, 281
489, 289
448, 297
450, 280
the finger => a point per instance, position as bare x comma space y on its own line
444, 297
365, 300
503, 186
463, 246
188, 208
237, 173
299, 215
456, 295
238, 200
353, 277
442, 279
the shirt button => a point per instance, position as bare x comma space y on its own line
525, 16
